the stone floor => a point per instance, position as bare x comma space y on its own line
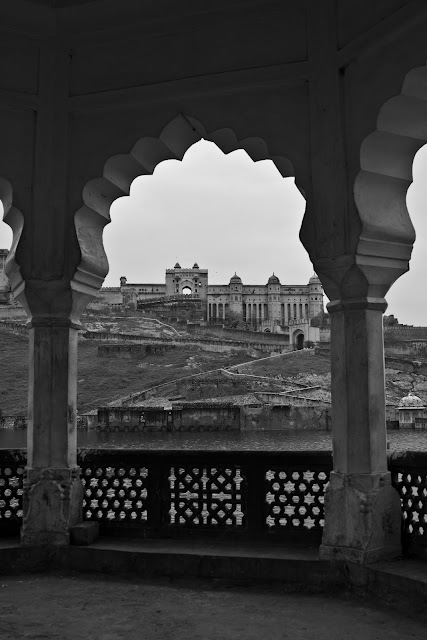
205, 590
97, 607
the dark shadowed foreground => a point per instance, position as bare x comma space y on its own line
103, 608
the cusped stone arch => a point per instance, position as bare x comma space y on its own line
14, 218
121, 170
186, 289
386, 159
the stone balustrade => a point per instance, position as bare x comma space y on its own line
237, 493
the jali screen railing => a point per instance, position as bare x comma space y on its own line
409, 477
244, 493
226, 493
163, 493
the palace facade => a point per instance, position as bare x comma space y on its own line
268, 306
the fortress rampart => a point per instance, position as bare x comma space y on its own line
404, 332
202, 417
219, 346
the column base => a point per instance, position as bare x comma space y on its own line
52, 504
362, 518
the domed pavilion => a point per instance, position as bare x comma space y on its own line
411, 410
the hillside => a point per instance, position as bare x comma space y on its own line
101, 380
295, 365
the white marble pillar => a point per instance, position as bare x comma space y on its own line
362, 509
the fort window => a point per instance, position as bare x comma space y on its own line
186, 291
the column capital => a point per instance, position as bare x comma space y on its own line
354, 277
53, 303
357, 304
53, 322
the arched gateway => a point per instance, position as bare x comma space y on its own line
298, 339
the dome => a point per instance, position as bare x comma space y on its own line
195, 265
177, 266
411, 401
235, 279
314, 279
273, 280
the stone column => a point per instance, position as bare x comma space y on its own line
53, 493
362, 509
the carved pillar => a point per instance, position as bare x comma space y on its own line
362, 509
359, 236
53, 493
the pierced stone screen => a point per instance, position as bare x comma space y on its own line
11, 476
207, 496
412, 487
295, 498
115, 493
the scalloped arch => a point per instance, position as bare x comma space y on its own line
386, 159
121, 170
14, 218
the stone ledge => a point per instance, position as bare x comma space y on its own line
401, 584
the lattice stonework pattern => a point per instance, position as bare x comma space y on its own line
115, 494
207, 496
295, 499
412, 487
11, 477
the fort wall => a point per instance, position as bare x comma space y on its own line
205, 417
414, 348
404, 332
239, 334
219, 346
129, 351
11, 311
11, 326
163, 419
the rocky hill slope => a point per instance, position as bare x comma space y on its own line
102, 380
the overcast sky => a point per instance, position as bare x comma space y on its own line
230, 214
